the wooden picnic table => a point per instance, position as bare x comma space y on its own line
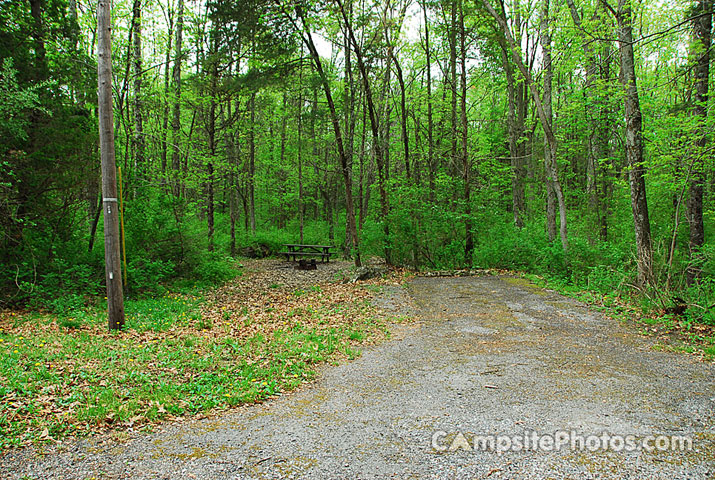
295, 250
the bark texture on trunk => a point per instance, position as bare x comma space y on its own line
176, 114
345, 166
634, 144
138, 139
549, 153
430, 122
375, 128
545, 120
516, 115
702, 32
466, 164
252, 164
113, 276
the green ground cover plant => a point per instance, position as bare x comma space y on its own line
179, 353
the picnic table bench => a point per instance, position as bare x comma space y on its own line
295, 250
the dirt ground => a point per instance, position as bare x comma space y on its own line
480, 357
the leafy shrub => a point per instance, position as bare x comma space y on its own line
606, 278
144, 274
215, 269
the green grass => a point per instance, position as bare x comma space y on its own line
63, 376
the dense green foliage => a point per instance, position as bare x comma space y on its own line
253, 160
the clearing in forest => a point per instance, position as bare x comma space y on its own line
483, 358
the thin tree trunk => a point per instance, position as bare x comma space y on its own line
430, 122
252, 164
301, 207
229, 141
702, 29
634, 143
545, 120
375, 127
138, 140
176, 118
549, 159
452, 39
210, 123
364, 192
403, 112
515, 123
597, 139
466, 165
345, 166
605, 127
282, 173
165, 114
349, 113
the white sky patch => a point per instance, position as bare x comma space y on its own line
323, 46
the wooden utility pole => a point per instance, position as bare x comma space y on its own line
112, 244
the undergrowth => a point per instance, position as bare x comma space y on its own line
66, 375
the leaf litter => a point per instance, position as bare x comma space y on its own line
57, 382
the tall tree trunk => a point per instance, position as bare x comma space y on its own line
210, 124
165, 114
301, 207
345, 166
452, 39
545, 120
403, 112
549, 159
349, 113
282, 174
212, 154
176, 118
430, 122
138, 140
702, 28
634, 143
252, 164
113, 269
375, 127
229, 141
515, 123
604, 129
364, 191
596, 113
466, 164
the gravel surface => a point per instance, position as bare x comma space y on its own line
483, 356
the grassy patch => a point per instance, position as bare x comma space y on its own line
179, 354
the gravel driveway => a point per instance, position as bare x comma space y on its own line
484, 356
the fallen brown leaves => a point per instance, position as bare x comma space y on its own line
270, 297
273, 296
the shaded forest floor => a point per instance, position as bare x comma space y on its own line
259, 335
490, 355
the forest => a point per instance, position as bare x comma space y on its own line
568, 139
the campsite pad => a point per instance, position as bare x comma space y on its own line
483, 356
